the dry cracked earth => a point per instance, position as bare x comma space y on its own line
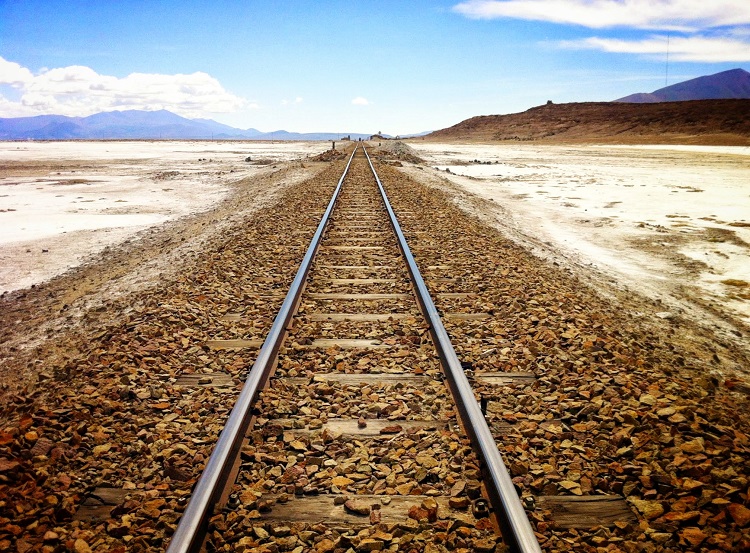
654, 411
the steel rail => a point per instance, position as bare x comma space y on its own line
190, 532
517, 530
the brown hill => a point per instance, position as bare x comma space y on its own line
713, 122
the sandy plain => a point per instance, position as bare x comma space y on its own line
63, 202
669, 222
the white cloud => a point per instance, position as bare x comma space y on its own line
689, 49
79, 91
599, 14
297, 101
360, 101
13, 74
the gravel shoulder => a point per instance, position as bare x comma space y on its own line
38, 322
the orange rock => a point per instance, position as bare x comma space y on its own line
693, 536
740, 514
694, 446
375, 516
484, 524
80, 546
418, 513
684, 504
675, 516
649, 509
325, 546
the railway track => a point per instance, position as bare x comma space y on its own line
357, 427
615, 436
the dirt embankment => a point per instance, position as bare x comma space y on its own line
705, 122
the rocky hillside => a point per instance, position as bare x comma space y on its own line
716, 122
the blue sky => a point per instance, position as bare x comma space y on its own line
354, 66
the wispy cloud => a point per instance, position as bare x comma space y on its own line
78, 91
710, 31
685, 15
297, 101
360, 101
690, 49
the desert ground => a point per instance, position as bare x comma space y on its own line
618, 275
63, 202
669, 222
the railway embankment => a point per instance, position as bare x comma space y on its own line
100, 452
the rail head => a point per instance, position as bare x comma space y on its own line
190, 532
517, 530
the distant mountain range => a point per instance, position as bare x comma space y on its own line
136, 124
144, 125
732, 84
